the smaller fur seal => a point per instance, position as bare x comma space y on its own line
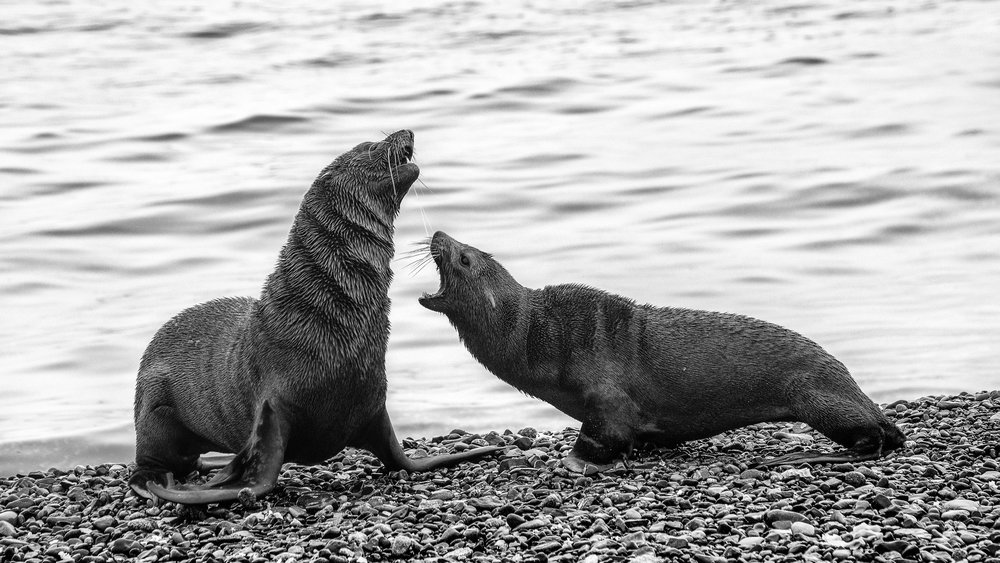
298, 374
639, 373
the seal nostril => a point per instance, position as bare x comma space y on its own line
408, 151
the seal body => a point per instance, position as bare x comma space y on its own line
299, 373
640, 373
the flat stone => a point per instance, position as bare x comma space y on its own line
485, 503
442, 494
772, 516
548, 546
803, 528
955, 514
962, 504
532, 525
948, 405
918, 533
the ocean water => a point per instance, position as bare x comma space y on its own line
833, 167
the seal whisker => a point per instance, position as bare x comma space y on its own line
417, 265
423, 216
421, 267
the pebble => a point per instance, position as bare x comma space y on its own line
970, 506
933, 501
772, 516
102, 523
803, 528
750, 542
854, 478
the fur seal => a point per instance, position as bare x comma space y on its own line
639, 373
299, 373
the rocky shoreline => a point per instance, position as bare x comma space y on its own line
938, 499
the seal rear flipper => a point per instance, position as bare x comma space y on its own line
255, 467
380, 439
867, 447
209, 463
817, 457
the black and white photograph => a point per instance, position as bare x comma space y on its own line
710, 281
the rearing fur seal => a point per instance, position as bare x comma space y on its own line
639, 373
299, 373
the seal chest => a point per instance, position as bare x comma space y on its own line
299, 373
662, 375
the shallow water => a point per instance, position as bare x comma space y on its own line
832, 167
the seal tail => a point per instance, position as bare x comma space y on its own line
380, 439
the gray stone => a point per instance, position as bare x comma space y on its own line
772, 516
803, 528
962, 504
854, 478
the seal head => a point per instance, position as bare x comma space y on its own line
465, 271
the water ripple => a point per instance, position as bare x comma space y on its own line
228, 29
259, 123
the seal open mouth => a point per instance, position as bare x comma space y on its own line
435, 301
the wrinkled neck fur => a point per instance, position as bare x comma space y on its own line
497, 336
329, 290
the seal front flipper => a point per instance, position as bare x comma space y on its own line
255, 467
600, 444
380, 439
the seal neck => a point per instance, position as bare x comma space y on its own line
498, 339
329, 290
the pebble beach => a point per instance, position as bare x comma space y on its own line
937, 499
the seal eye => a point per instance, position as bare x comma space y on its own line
464, 260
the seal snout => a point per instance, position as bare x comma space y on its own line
440, 247
402, 140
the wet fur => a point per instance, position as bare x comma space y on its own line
304, 364
640, 373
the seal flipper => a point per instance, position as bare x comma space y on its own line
206, 464
867, 447
599, 444
814, 457
255, 467
380, 439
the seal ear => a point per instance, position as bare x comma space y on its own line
491, 297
